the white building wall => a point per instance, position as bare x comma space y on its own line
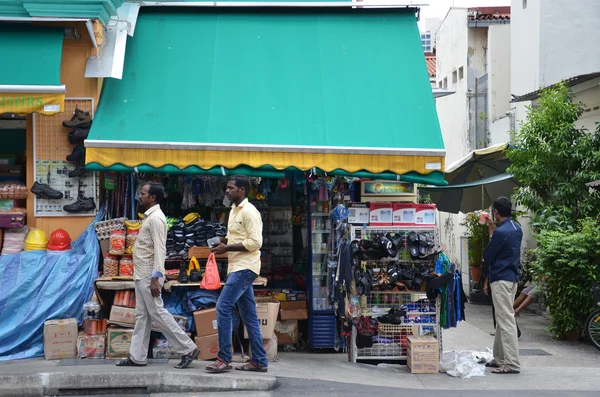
452, 43
498, 61
568, 45
452, 46
525, 47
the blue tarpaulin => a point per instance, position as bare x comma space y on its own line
36, 286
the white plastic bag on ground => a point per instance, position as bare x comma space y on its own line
464, 363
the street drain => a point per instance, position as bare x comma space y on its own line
533, 352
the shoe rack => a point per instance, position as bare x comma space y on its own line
51, 147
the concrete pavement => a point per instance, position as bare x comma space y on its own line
570, 367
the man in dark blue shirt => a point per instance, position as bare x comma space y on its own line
503, 255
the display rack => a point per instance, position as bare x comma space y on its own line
390, 341
278, 251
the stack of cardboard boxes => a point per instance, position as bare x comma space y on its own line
207, 333
392, 214
286, 328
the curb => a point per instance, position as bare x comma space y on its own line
60, 383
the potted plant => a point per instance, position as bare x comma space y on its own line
478, 238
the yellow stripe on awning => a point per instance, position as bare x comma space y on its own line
22, 104
230, 159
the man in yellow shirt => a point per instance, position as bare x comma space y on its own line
242, 245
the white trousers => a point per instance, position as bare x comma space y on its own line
149, 309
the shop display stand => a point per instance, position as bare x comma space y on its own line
277, 239
390, 341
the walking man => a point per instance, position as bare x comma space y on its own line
503, 255
149, 254
242, 244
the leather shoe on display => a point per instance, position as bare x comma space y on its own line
43, 190
83, 204
78, 135
79, 120
78, 171
77, 154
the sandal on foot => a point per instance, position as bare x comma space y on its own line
252, 367
187, 359
219, 366
492, 364
128, 362
505, 370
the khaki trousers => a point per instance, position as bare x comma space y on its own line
149, 309
506, 343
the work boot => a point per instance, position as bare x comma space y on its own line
82, 204
43, 190
79, 120
77, 154
78, 171
78, 135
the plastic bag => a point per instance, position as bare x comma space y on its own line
211, 280
464, 363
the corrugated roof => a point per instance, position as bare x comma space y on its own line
572, 81
489, 13
430, 60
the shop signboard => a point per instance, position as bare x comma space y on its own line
46, 104
387, 188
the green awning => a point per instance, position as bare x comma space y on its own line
341, 90
31, 55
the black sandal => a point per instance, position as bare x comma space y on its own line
128, 362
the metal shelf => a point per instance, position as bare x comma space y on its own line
319, 214
321, 232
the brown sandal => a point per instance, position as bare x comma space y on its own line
219, 366
252, 367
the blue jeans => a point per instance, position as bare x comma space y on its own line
238, 289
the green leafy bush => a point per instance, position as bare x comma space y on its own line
479, 236
568, 262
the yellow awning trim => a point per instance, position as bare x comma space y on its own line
231, 159
22, 104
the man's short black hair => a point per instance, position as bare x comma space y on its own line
241, 181
503, 206
157, 190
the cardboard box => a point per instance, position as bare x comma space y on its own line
425, 215
298, 314
270, 346
208, 346
118, 342
286, 332
381, 214
90, 346
206, 322
267, 310
123, 315
292, 305
405, 214
359, 213
60, 339
423, 355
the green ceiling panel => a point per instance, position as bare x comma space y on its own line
94, 9
35, 54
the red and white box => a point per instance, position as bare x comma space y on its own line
425, 215
405, 214
381, 214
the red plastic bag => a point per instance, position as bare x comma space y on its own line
211, 279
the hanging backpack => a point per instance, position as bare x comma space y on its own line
211, 280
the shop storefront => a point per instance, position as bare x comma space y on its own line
308, 102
